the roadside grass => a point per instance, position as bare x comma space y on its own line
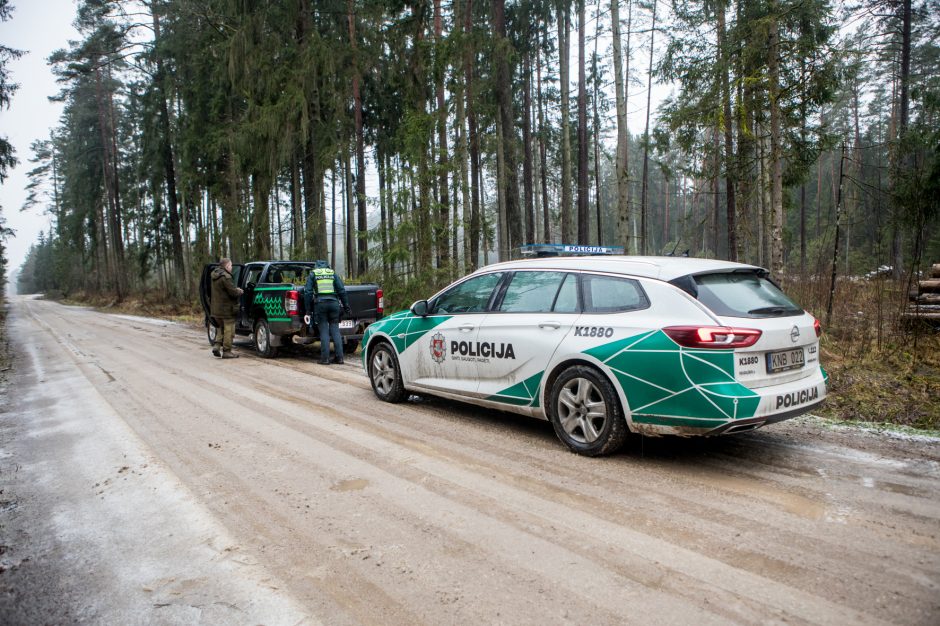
150, 304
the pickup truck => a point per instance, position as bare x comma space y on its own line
272, 312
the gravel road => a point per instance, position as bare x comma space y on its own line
143, 481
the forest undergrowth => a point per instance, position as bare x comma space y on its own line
883, 368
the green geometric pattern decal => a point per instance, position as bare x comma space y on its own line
668, 384
272, 299
404, 328
525, 393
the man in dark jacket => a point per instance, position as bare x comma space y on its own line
223, 306
326, 289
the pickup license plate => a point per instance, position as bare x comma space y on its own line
785, 360
345, 323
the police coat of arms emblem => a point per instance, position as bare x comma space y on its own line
438, 348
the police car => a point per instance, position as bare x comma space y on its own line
606, 346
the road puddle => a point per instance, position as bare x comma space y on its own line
353, 484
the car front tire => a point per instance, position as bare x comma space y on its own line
385, 374
586, 413
211, 332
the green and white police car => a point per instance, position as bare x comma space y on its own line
606, 346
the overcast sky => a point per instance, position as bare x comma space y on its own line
38, 27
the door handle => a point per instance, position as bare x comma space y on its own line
465, 328
550, 325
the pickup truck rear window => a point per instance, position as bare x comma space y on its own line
743, 294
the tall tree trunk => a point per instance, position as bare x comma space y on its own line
527, 146
166, 150
351, 264
776, 150
620, 87
901, 161
362, 226
462, 155
583, 215
443, 226
333, 215
543, 153
384, 208
716, 184
473, 137
835, 247
104, 220
644, 201
564, 34
727, 121
313, 209
260, 217
599, 205
507, 120
297, 216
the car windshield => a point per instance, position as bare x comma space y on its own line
743, 294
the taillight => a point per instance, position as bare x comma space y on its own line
290, 302
379, 302
817, 327
713, 336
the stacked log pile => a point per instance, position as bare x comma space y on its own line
925, 299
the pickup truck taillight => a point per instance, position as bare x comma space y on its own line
291, 301
379, 302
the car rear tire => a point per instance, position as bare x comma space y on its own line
349, 347
586, 413
211, 332
385, 374
262, 339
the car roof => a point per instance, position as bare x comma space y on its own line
659, 267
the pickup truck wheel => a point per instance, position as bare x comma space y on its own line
211, 332
585, 411
349, 347
263, 340
385, 374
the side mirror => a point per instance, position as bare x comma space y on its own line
420, 308
250, 286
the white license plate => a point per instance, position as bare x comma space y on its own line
346, 324
785, 360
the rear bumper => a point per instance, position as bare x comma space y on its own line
776, 403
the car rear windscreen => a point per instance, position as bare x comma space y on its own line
743, 294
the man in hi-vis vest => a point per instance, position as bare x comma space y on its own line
326, 289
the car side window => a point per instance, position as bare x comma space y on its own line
531, 292
470, 296
608, 294
566, 301
254, 273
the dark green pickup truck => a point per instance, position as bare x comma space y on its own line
272, 312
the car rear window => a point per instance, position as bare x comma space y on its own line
608, 294
743, 294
